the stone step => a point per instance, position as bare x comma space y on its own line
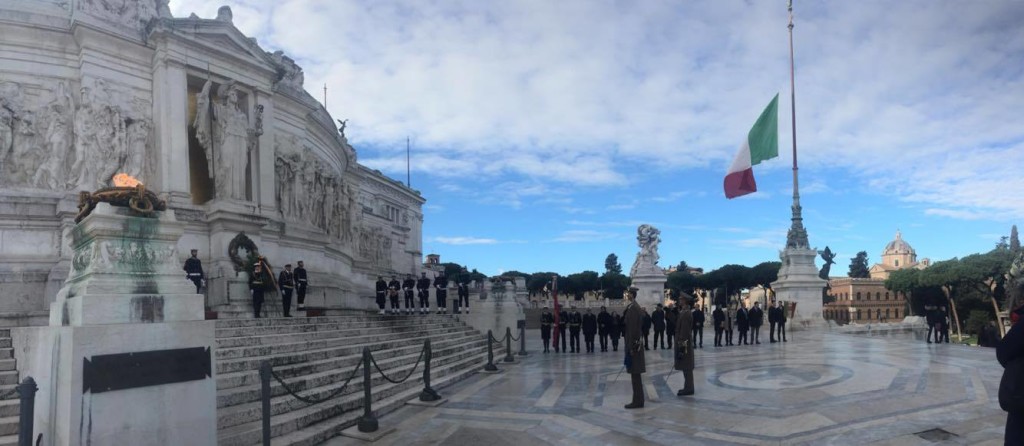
228, 332
324, 375
316, 344
9, 408
7, 364
6, 353
9, 425
281, 359
315, 423
356, 317
9, 377
5, 342
336, 361
284, 402
268, 340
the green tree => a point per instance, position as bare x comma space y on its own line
579, 283
682, 266
683, 281
908, 281
535, 283
731, 278
859, 266
614, 284
1014, 240
612, 265
765, 273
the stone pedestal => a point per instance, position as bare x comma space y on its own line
499, 310
799, 283
651, 287
127, 358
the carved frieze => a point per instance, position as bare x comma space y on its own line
309, 190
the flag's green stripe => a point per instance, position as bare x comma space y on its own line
764, 136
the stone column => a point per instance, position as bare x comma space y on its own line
264, 183
170, 118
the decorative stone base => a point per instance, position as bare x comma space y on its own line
651, 289
417, 402
799, 283
354, 432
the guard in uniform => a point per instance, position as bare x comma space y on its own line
698, 327
382, 292
194, 270
646, 328
728, 328
743, 322
546, 319
575, 320
615, 330
633, 318
441, 292
423, 285
684, 346
604, 325
782, 321
257, 286
393, 286
408, 286
756, 321
671, 314
773, 321
658, 321
589, 330
563, 323
287, 283
301, 282
718, 317
463, 291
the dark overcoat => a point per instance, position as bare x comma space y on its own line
684, 339
633, 318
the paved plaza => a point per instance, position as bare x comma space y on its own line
835, 389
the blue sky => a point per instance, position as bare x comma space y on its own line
545, 132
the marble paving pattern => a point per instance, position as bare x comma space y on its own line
829, 389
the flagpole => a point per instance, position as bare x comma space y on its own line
792, 101
797, 235
408, 164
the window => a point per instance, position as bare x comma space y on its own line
878, 296
887, 313
897, 313
897, 263
858, 298
858, 312
886, 295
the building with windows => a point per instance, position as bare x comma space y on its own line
864, 300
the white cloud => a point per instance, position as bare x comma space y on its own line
914, 98
463, 240
584, 235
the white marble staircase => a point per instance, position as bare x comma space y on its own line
9, 405
314, 356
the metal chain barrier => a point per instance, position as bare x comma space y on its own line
515, 339
388, 379
310, 401
494, 339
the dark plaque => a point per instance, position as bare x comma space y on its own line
104, 373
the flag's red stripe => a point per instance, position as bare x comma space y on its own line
740, 183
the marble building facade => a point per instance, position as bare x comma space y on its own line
204, 116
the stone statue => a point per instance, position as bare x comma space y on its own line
57, 140
233, 133
827, 255
648, 237
1015, 282
342, 125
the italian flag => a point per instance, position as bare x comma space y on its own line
762, 143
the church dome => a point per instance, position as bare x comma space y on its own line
898, 246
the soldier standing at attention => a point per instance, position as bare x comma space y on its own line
194, 270
287, 283
589, 330
393, 287
633, 318
382, 291
698, 326
257, 286
423, 285
782, 321
658, 321
301, 281
646, 328
684, 346
546, 319
743, 322
615, 330
563, 323
604, 325
463, 291
441, 292
718, 318
756, 321
671, 314
408, 285
773, 321
575, 320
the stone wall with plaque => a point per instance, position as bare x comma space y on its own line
221, 127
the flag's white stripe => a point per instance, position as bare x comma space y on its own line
742, 160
